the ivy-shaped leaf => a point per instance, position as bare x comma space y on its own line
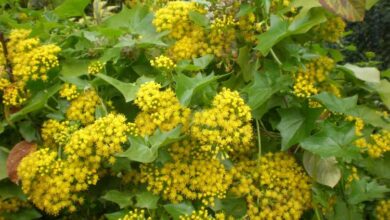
71, 8
351, 10
146, 200
179, 209
123, 199
362, 190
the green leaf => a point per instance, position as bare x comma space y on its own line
3, 163
113, 54
244, 10
368, 74
187, 87
9, 189
37, 102
28, 131
322, 170
128, 90
348, 106
235, 207
145, 150
123, 199
73, 68
146, 200
264, 86
179, 209
23, 214
199, 18
370, 3
379, 166
333, 141
203, 62
71, 8
351, 10
281, 28
296, 124
344, 211
383, 89
248, 67
116, 215
361, 190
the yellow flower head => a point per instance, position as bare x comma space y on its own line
382, 210
136, 214
163, 62
95, 67
69, 91
83, 107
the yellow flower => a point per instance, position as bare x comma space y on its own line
163, 62
69, 91
331, 31
382, 210
376, 145
136, 214
55, 133
83, 107
95, 67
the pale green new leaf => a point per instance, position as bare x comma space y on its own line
146, 200
323, 170
368, 74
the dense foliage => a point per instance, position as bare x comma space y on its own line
190, 110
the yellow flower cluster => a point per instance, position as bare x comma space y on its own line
225, 127
192, 180
83, 107
95, 67
330, 31
275, 188
203, 214
29, 60
136, 214
55, 133
382, 210
54, 184
354, 175
69, 91
222, 35
163, 62
307, 79
159, 109
11, 205
359, 124
247, 27
376, 145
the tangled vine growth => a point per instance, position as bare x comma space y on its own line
183, 110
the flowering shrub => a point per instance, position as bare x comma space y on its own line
189, 110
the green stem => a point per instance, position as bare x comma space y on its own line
275, 57
258, 138
318, 215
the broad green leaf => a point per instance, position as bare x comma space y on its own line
187, 87
263, 87
350, 10
348, 106
361, 190
145, 150
73, 68
344, 211
71, 8
296, 124
9, 189
244, 10
281, 28
146, 200
383, 89
368, 74
333, 141
179, 209
123, 199
116, 215
199, 18
379, 167
236, 207
322, 170
248, 67
37, 102
23, 214
203, 62
3, 162
128, 90
370, 3
28, 131
113, 54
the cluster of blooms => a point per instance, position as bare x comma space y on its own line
193, 40
55, 133
225, 127
69, 91
29, 60
382, 210
95, 67
359, 124
203, 214
330, 31
83, 107
11, 205
376, 145
54, 184
275, 188
353, 175
308, 79
159, 109
163, 62
136, 214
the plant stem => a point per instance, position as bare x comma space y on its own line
258, 138
275, 57
8, 66
318, 215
